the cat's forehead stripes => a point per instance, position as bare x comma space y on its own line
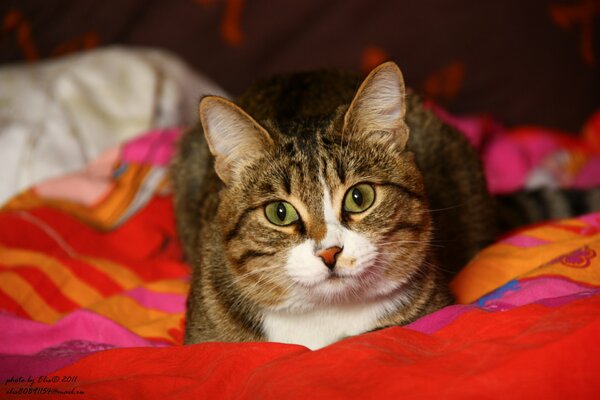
306, 176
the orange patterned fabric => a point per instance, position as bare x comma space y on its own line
564, 248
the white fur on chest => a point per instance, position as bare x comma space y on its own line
318, 328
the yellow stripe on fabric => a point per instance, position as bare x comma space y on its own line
127, 185
175, 286
119, 273
500, 263
70, 286
130, 314
21, 292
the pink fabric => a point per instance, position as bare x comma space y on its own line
439, 319
23, 336
84, 187
530, 157
155, 147
524, 241
539, 290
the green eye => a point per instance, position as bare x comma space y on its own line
281, 213
359, 198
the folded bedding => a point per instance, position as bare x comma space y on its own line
93, 290
86, 103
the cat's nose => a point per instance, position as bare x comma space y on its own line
329, 255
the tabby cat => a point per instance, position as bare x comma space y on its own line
318, 207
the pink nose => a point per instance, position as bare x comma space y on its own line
329, 255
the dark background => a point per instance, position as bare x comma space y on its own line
522, 61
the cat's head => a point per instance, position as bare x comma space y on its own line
321, 211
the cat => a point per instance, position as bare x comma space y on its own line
318, 207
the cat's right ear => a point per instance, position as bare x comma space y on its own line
379, 106
233, 137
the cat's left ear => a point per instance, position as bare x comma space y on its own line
378, 108
233, 136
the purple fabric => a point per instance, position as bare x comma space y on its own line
22, 336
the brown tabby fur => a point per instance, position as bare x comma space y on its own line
431, 194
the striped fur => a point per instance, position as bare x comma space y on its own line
528, 207
307, 139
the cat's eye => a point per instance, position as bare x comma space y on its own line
281, 213
359, 198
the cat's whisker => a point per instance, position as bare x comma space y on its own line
434, 241
240, 278
258, 270
419, 241
258, 287
265, 280
444, 208
437, 267
429, 243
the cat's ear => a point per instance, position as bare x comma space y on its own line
233, 137
378, 108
